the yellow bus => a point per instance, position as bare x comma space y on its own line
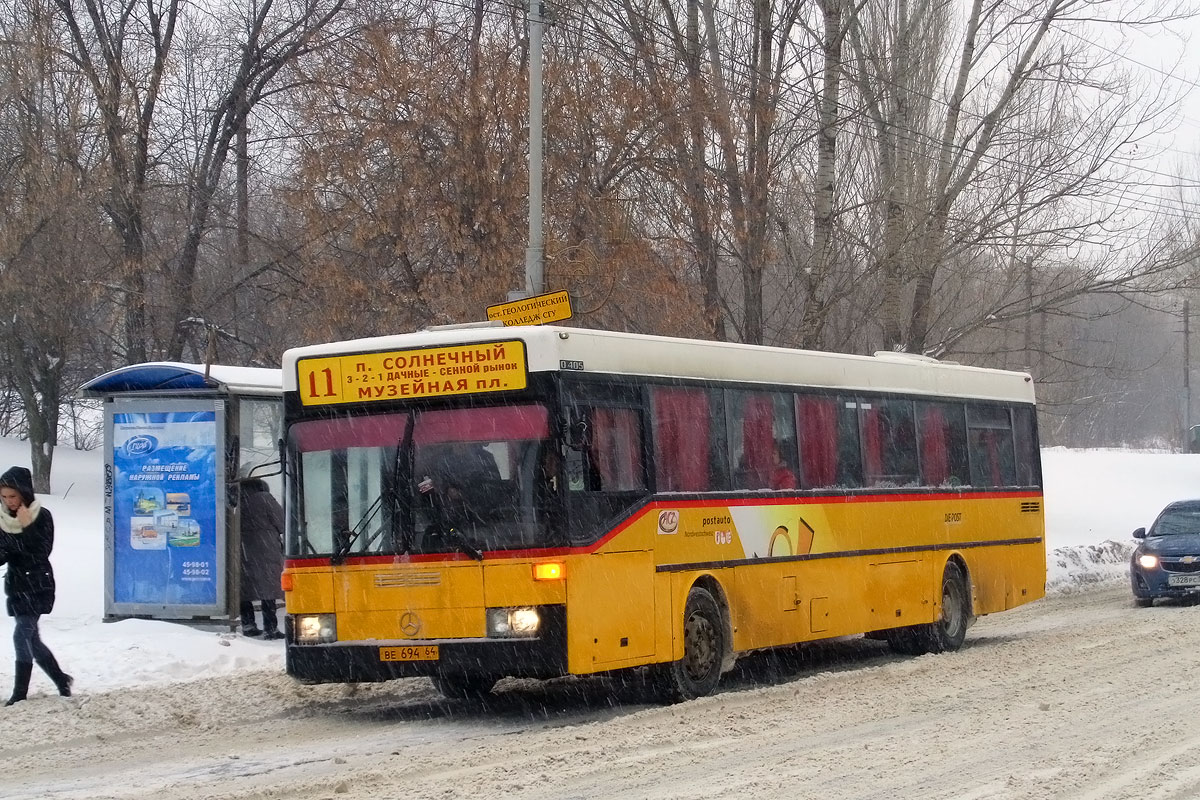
474, 502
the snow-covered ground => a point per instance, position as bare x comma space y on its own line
1094, 500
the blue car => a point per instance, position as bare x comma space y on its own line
1167, 561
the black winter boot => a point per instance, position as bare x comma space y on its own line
248, 626
49, 665
21, 682
270, 620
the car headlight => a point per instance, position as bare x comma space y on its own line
315, 628
1147, 561
509, 623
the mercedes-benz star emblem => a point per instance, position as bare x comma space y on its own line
410, 623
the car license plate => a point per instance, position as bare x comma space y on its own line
1183, 580
419, 652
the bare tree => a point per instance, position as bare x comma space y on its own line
123, 49
1026, 141
49, 181
273, 35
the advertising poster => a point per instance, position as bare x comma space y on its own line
164, 508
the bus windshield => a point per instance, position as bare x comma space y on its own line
470, 480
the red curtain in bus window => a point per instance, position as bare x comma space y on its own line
935, 459
758, 441
993, 456
616, 447
818, 440
872, 444
681, 439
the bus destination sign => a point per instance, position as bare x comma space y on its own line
537, 310
430, 372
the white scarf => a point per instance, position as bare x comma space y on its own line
9, 524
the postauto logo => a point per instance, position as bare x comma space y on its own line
140, 445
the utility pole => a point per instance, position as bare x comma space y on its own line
534, 255
1187, 383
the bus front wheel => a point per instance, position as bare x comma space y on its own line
699, 671
462, 686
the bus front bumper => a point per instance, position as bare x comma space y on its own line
544, 656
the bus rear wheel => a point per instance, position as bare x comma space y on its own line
704, 643
947, 633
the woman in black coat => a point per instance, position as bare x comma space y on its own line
262, 556
26, 539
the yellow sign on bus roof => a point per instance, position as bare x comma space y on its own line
430, 372
539, 310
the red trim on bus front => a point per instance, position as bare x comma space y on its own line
650, 507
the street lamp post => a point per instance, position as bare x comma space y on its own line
534, 254
1187, 383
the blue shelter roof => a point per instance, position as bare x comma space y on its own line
167, 377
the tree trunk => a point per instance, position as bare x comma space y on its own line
812, 320
697, 195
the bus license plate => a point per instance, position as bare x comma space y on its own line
420, 652
1183, 580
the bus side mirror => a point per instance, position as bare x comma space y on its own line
266, 469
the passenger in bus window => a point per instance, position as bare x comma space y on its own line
467, 478
782, 476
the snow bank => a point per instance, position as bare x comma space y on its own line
1070, 568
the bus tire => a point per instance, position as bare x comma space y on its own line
704, 643
950, 630
463, 686
947, 633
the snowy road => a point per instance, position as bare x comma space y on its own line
1077, 696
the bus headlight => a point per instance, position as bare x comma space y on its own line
316, 628
509, 623
1147, 561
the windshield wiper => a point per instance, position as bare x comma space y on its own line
452, 533
402, 500
349, 537
457, 537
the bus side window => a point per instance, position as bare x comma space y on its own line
1025, 435
684, 445
617, 449
990, 446
610, 460
889, 443
849, 471
816, 419
942, 437
829, 441
762, 440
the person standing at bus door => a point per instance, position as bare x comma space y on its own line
26, 539
262, 557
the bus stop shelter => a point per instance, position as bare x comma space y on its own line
177, 437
